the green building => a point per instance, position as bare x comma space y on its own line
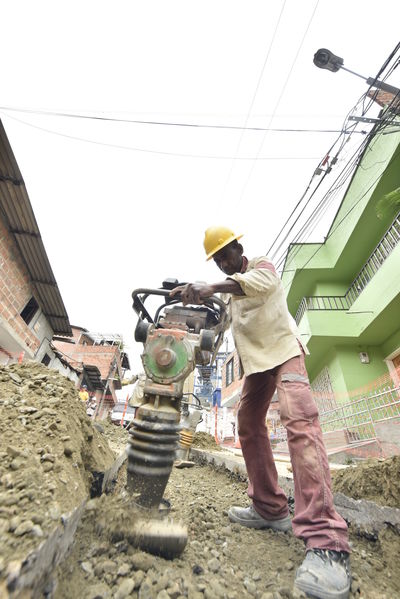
345, 292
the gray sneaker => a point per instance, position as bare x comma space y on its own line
247, 516
324, 574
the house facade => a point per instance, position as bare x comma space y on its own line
31, 306
345, 292
101, 360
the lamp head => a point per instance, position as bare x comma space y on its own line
325, 59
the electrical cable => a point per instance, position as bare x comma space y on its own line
280, 97
159, 152
306, 228
334, 228
254, 95
165, 123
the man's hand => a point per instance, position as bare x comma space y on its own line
193, 293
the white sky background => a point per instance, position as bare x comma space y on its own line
115, 219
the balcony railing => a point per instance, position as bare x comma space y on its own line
370, 268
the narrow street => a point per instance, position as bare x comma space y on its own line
222, 560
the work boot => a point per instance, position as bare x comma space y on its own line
325, 574
247, 516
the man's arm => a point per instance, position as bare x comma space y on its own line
195, 293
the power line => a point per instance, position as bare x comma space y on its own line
158, 152
280, 97
255, 95
167, 123
334, 228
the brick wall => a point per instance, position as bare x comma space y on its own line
15, 289
228, 390
95, 355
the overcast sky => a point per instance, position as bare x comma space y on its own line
114, 218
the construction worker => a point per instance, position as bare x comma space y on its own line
272, 357
83, 393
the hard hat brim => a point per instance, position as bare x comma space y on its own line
222, 245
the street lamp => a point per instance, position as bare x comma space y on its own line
325, 59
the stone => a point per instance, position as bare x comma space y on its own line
124, 570
213, 565
142, 561
37, 531
174, 591
4, 526
98, 591
289, 566
68, 451
108, 566
14, 377
16, 463
256, 576
250, 586
138, 578
23, 528
163, 595
87, 567
145, 591
12, 451
47, 466
125, 588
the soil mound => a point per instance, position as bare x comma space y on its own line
205, 441
50, 455
375, 480
116, 435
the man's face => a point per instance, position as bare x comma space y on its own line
229, 259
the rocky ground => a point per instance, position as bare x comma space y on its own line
50, 456
221, 560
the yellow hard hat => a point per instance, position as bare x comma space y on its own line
215, 238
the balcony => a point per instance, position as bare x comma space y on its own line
343, 302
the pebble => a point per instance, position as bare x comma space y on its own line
142, 561
14, 377
289, 566
37, 531
87, 567
24, 528
108, 566
138, 578
163, 595
145, 591
124, 570
4, 525
68, 451
256, 576
16, 463
213, 565
98, 591
12, 451
47, 466
250, 586
125, 588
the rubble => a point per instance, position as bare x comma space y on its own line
375, 480
205, 441
221, 561
51, 460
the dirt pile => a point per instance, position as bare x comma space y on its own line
50, 455
116, 436
221, 561
205, 441
375, 480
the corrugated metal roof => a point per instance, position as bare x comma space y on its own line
20, 221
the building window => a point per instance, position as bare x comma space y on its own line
229, 372
30, 310
46, 360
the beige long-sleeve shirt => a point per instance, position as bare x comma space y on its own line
264, 331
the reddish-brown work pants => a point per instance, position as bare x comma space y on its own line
316, 520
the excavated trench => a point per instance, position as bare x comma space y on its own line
51, 455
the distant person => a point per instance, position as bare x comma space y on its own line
83, 393
272, 357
